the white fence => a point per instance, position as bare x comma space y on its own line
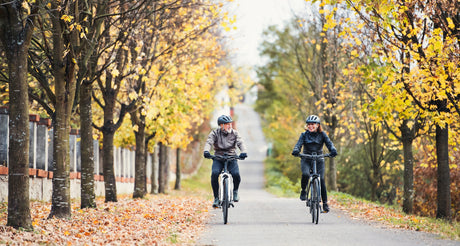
41, 159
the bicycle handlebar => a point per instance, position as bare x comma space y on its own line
226, 157
301, 155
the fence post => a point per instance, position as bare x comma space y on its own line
43, 144
97, 168
116, 162
73, 150
4, 136
33, 120
132, 161
51, 151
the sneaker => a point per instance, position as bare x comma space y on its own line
236, 198
303, 195
325, 208
216, 203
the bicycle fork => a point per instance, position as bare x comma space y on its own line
229, 178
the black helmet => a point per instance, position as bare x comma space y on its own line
224, 119
313, 119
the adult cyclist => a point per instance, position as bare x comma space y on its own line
312, 141
224, 140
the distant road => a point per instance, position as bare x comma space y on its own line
264, 219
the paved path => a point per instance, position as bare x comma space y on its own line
263, 219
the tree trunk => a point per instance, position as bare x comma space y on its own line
332, 175
442, 153
408, 196
65, 83
16, 39
163, 172
88, 197
61, 206
107, 162
140, 171
154, 183
108, 133
178, 174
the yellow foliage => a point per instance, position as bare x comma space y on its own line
67, 18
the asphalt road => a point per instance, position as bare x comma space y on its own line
261, 218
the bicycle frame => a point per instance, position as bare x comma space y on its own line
226, 175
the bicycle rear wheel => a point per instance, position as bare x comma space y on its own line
225, 200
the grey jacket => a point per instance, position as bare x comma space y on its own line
224, 143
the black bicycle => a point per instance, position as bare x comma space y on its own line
314, 187
225, 184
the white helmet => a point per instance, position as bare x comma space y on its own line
313, 119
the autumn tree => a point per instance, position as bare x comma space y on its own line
16, 27
421, 40
321, 56
302, 77
176, 38
90, 20
53, 65
113, 95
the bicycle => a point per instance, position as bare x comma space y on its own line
225, 184
314, 187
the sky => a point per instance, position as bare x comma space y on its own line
252, 17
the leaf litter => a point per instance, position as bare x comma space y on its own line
154, 220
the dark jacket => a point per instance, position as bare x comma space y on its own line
313, 142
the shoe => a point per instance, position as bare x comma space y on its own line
303, 195
236, 198
325, 207
216, 203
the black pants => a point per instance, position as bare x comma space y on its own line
306, 166
217, 167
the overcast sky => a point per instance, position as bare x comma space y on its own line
252, 17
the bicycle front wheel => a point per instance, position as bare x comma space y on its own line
225, 200
316, 199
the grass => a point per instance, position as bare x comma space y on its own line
394, 217
200, 183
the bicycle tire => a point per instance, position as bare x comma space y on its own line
225, 201
313, 202
317, 198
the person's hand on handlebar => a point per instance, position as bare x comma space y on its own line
207, 155
333, 153
243, 156
295, 153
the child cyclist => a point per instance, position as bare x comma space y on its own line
312, 141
